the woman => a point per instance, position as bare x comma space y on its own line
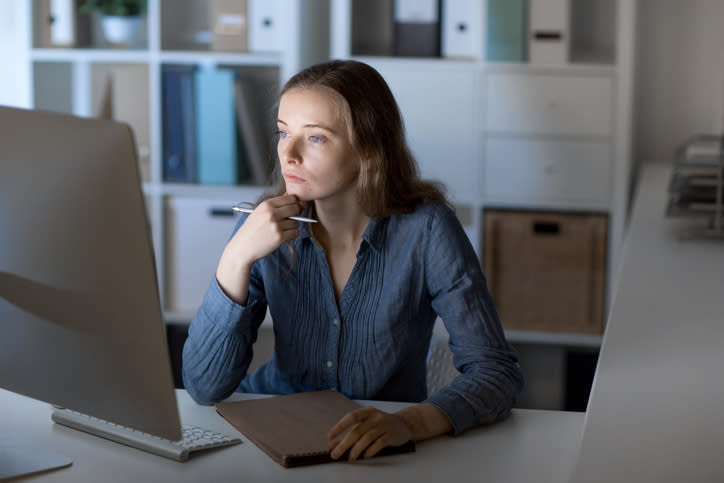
353, 297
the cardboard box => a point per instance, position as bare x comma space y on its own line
546, 271
230, 25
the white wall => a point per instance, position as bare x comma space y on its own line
14, 45
680, 74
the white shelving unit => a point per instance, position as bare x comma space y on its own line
465, 118
514, 134
67, 80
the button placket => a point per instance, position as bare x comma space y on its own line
333, 350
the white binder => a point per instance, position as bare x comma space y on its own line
265, 25
416, 11
417, 28
549, 32
62, 26
463, 28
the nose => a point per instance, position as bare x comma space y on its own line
288, 150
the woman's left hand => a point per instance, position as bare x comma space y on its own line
371, 431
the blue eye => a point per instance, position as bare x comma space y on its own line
282, 134
315, 139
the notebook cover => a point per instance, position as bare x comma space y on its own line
292, 429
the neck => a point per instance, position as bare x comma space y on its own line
340, 224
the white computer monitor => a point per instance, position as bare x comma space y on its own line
80, 318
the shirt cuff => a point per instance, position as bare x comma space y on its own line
460, 413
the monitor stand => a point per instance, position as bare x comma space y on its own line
23, 460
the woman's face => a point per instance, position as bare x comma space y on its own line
317, 159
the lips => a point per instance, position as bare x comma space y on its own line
290, 178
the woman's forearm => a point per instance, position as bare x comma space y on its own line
234, 277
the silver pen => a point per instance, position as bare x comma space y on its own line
295, 218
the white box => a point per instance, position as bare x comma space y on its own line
197, 231
62, 27
462, 28
265, 29
416, 11
549, 33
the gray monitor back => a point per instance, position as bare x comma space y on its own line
80, 318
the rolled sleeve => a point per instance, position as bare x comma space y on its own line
490, 378
462, 415
218, 350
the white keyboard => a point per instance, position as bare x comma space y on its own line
194, 439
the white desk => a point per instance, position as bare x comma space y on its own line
530, 446
656, 412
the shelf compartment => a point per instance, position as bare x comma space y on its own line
372, 28
120, 91
546, 270
591, 38
196, 231
72, 28
195, 132
593, 31
53, 86
188, 28
66, 27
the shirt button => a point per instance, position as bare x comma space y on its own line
335, 321
330, 363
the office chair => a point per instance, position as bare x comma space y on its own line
440, 368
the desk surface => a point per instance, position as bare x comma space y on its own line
655, 412
529, 446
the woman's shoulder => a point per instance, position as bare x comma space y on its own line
432, 212
428, 217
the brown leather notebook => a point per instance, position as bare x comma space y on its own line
292, 429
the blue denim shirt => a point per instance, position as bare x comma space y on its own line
373, 343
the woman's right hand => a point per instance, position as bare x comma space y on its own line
265, 230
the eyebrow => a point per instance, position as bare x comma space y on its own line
311, 125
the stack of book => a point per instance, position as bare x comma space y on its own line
213, 130
696, 184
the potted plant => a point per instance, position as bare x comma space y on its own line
122, 20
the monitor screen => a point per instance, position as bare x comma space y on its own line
80, 318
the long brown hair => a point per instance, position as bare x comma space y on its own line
389, 181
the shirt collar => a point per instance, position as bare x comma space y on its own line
374, 234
